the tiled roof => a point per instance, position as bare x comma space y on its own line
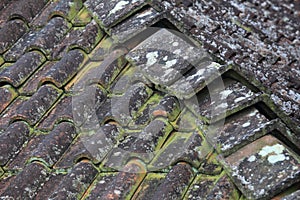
149, 99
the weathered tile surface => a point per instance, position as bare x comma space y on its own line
8, 94
111, 12
264, 168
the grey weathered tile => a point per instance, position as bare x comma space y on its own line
135, 25
264, 168
164, 57
111, 12
8, 94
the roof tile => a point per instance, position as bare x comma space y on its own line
161, 51
275, 167
34, 108
53, 146
8, 94
243, 128
175, 183
61, 112
10, 112
21, 70
10, 33
110, 13
168, 107
27, 182
82, 18
188, 147
123, 184
67, 9
135, 24
26, 10
92, 146
45, 40
74, 184
65, 69
12, 140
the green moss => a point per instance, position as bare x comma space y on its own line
82, 18
239, 24
1, 172
1, 61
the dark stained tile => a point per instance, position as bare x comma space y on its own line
241, 129
34, 108
126, 106
292, 196
211, 165
50, 185
175, 183
102, 49
135, 24
65, 69
5, 181
85, 38
275, 167
123, 184
21, 70
10, 33
25, 10
92, 146
188, 147
24, 155
45, 40
67, 8
187, 121
110, 13
211, 188
12, 140
164, 57
10, 112
8, 94
61, 112
149, 186
53, 146
34, 81
74, 184
26, 183
168, 107
141, 145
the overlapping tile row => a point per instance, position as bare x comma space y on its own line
82, 118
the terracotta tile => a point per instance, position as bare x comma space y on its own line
211, 188
275, 166
175, 183
67, 8
74, 184
53, 146
8, 94
43, 17
126, 106
45, 40
161, 51
111, 12
188, 147
12, 140
26, 183
85, 38
61, 112
149, 186
26, 10
143, 145
168, 107
5, 181
20, 160
10, 33
241, 129
92, 146
135, 24
10, 112
50, 185
34, 108
21, 70
123, 185
65, 69
34, 81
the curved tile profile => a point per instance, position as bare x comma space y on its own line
117, 99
